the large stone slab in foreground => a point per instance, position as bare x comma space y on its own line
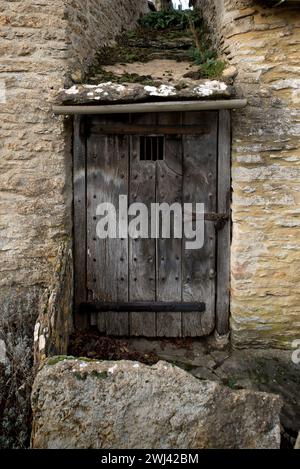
81, 404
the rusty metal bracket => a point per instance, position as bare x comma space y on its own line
219, 219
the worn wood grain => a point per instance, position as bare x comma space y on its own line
163, 129
224, 202
79, 207
168, 264
153, 270
107, 259
199, 186
117, 249
142, 252
96, 147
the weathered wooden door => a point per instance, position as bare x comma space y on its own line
154, 158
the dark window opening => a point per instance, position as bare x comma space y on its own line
152, 148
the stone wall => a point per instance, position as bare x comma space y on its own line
263, 43
95, 23
43, 46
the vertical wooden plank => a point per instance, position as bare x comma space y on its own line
96, 249
224, 202
107, 274
168, 264
200, 186
79, 205
117, 249
142, 253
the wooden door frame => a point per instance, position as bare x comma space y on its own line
223, 236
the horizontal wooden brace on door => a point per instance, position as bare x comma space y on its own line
163, 106
130, 129
142, 307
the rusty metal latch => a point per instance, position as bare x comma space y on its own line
220, 219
